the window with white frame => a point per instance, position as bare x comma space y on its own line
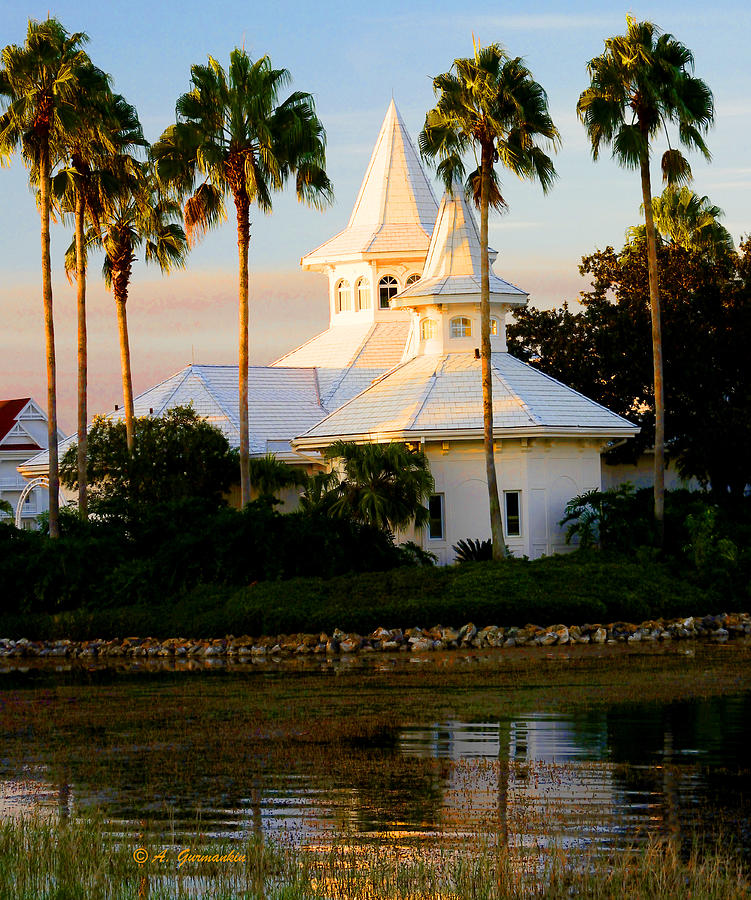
363, 293
388, 286
427, 329
413, 279
461, 327
512, 507
437, 518
494, 325
343, 296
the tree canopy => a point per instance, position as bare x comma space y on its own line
175, 456
604, 352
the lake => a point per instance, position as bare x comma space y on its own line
598, 746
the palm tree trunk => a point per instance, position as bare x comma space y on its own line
243, 240
654, 307
496, 524
82, 357
122, 325
49, 334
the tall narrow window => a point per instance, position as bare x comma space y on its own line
427, 329
461, 327
493, 325
343, 296
363, 293
436, 522
513, 509
413, 279
387, 288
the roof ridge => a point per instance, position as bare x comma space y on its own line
519, 400
426, 394
214, 397
351, 362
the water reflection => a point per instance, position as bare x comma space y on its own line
607, 776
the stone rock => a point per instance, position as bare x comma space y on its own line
467, 633
421, 645
599, 636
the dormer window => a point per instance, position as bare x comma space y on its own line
413, 279
494, 325
427, 329
388, 287
460, 327
343, 296
362, 291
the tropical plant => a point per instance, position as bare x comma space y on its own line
40, 90
233, 137
6, 509
489, 104
640, 84
687, 220
473, 550
134, 213
382, 485
269, 475
109, 127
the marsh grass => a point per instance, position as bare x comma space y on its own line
84, 860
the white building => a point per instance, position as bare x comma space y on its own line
399, 361
23, 433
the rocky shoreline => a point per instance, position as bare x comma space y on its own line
718, 628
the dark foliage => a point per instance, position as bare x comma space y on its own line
473, 550
605, 352
176, 456
169, 549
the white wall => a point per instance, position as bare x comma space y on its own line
548, 473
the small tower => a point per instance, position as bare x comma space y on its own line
382, 250
446, 300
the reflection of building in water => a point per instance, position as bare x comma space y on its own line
528, 779
31, 795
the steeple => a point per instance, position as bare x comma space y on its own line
395, 207
452, 272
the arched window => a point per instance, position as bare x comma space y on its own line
461, 327
362, 290
387, 287
427, 329
413, 279
343, 296
494, 325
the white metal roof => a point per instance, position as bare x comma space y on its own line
395, 209
282, 403
441, 395
453, 265
347, 357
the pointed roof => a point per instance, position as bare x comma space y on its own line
395, 208
440, 397
9, 410
453, 265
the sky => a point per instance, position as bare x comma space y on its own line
352, 58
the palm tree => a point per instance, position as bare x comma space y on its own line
134, 214
231, 138
489, 104
110, 126
687, 220
641, 83
384, 485
40, 88
269, 475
